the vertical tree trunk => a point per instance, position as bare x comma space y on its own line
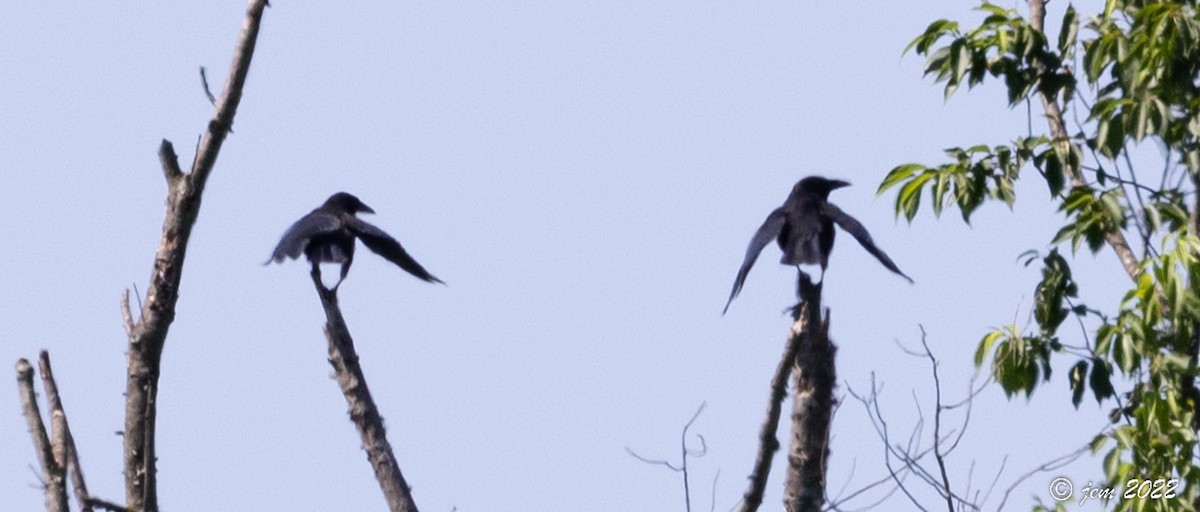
148, 334
812, 407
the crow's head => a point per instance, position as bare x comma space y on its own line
345, 202
818, 186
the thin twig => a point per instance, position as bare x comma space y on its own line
684, 452
882, 430
713, 503
937, 423
1052, 465
207, 91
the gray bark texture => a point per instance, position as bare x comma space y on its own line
362, 409
149, 333
54, 476
814, 377
809, 356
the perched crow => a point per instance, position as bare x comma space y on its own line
326, 235
803, 227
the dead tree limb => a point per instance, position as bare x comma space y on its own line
148, 334
53, 474
768, 444
69, 460
363, 412
812, 403
807, 327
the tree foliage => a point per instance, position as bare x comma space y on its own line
1132, 69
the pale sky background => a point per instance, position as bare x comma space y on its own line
584, 175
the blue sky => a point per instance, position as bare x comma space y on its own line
584, 176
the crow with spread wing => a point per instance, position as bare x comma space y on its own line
803, 228
326, 235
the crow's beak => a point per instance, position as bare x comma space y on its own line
836, 184
365, 209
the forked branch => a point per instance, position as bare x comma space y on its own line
148, 333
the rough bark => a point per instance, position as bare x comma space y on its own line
53, 474
812, 404
64, 445
148, 334
363, 411
768, 444
808, 435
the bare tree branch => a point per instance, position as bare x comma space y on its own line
207, 92
363, 411
871, 403
148, 335
1052, 465
62, 430
937, 424
768, 444
53, 474
838, 502
684, 452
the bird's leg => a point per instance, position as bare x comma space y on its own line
316, 273
345, 270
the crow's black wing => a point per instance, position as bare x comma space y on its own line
296, 238
768, 231
384, 245
856, 229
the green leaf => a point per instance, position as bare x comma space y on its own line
1098, 443
1076, 376
931, 35
1069, 30
1018, 362
908, 201
936, 62
1100, 381
1112, 462
1055, 177
1124, 353
938, 192
897, 175
962, 59
985, 346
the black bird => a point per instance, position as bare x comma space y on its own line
326, 235
803, 227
